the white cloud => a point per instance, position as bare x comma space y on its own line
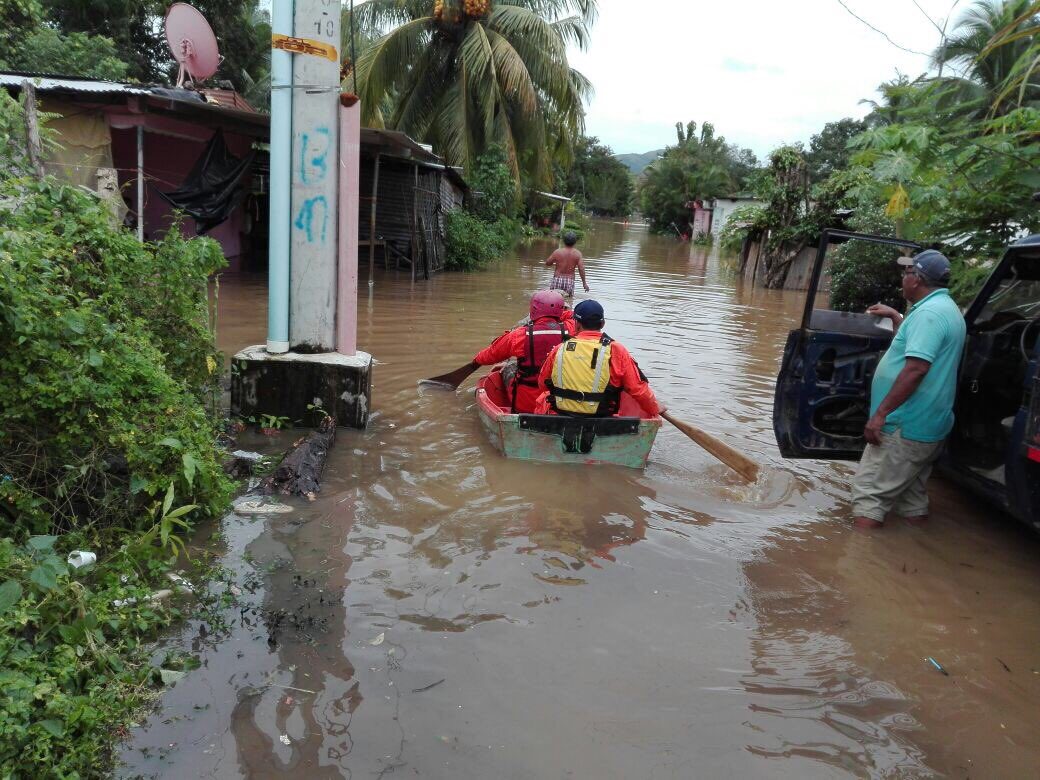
763, 72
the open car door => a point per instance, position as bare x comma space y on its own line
822, 396
995, 445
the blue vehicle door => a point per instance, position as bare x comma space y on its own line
822, 397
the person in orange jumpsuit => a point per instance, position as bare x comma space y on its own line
551, 324
592, 400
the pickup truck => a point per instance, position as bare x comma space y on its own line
823, 389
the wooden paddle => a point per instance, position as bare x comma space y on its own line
453, 379
737, 461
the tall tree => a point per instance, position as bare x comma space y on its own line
987, 69
599, 181
829, 148
467, 74
133, 25
699, 167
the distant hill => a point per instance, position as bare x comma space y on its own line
637, 162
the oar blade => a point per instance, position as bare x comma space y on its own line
737, 461
451, 380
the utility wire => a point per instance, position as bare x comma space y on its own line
935, 24
880, 32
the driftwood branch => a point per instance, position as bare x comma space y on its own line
299, 473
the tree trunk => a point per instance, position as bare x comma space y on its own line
32, 129
299, 473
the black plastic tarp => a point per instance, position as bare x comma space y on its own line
214, 187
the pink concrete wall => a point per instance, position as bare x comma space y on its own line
701, 221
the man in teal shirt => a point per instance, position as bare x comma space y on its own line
911, 397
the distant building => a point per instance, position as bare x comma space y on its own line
723, 208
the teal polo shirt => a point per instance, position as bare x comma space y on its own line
933, 330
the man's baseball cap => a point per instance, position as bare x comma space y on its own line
589, 312
931, 265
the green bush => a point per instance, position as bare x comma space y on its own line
105, 358
967, 278
73, 666
495, 188
473, 243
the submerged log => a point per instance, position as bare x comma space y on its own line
299, 473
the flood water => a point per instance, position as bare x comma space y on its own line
441, 612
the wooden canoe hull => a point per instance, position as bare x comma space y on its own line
621, 441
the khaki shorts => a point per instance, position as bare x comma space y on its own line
892, 477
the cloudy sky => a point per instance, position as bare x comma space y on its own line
764, 72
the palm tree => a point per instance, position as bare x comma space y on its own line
988, 69
468, 74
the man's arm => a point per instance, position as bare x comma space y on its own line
551, 259
497, 351
581, 273
906, 385
625, 373
880, 310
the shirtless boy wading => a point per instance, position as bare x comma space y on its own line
566, 260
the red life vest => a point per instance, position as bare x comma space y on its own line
541, 339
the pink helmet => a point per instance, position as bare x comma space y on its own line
546, 303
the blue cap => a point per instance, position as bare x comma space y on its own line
589, 312
931, 265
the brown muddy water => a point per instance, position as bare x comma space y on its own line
441, 612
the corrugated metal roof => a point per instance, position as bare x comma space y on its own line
59, 84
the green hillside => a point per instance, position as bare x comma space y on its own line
637, 162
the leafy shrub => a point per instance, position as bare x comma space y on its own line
487, 227
741, 222
473, 243
105, 358
494, 182
967, 278
74, 666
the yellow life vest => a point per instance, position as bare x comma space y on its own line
580, 381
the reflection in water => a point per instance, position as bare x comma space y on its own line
442, 612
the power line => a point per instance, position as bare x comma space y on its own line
880, 32
935, 24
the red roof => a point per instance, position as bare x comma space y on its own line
227, 98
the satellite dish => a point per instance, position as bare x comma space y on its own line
192, 42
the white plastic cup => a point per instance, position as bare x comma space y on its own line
80, 558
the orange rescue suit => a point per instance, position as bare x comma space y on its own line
515, 343
624, 374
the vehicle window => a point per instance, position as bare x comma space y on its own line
856, 275
1016, 298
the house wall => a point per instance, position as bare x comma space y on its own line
167, 161
701, 221
724, 208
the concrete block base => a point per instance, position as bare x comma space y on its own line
284, 385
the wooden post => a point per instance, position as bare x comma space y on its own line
372, 224
140, 183
415, 220
32, 129
563, 218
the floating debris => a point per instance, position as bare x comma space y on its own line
938, 666
427, 687
378, 640
260, 507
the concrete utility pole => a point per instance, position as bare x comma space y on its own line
315, 153
312, 309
